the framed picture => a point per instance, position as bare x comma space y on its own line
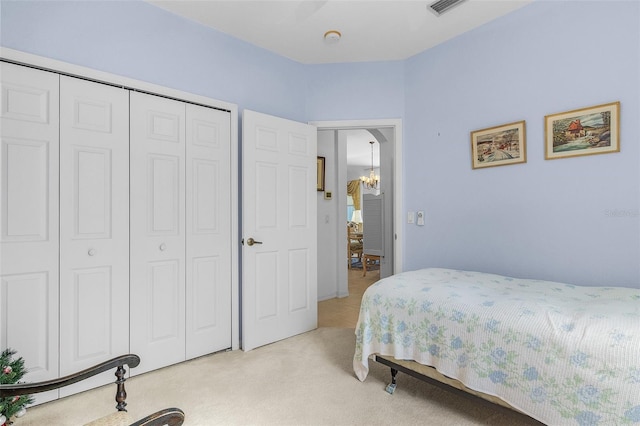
499, 146
586, 131
320, 173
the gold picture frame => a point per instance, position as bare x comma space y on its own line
499, 145
584, 131
320, 185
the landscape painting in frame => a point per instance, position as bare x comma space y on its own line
586, 131
499, 146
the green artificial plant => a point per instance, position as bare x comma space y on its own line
11, 372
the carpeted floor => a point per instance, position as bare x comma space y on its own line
304, 380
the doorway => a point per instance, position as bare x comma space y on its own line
364, 216
332, 143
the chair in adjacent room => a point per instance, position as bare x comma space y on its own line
354, 246
369, 261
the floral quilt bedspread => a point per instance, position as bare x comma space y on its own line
561, 353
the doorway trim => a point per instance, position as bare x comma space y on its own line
396, 125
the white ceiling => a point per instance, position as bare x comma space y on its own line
359, 149
379, 30
372, 30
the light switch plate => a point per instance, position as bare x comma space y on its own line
420, 218
411, 217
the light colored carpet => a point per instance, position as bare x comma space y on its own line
304, 380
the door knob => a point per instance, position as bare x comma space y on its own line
163, 247
251, 242
91, 252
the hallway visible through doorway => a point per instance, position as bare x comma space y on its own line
332, 144
343, 312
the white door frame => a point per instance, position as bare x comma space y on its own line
396, 125
54, 65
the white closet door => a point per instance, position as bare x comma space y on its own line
208, 224
29, 219
157, 231
94, 227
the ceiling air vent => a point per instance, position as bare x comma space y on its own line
441, 6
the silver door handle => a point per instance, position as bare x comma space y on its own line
251, 242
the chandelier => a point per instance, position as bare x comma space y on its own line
371, 181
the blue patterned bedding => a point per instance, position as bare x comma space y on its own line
560, 353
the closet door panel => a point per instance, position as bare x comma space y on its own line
25, 191
208, 223
26, 308
94, 227
157, 231
29, 235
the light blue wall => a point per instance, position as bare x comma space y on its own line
140, 41
355, 91
573, 220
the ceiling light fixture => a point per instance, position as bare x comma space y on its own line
332, 36
371, 181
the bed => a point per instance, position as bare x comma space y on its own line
559, 353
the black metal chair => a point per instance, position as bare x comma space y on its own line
168, 416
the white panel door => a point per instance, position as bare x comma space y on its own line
94, 227
157, 231
208, 228
29, 219
279, 196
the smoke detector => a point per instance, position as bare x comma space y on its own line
332, 36
441, 6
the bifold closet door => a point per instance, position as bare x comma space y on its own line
208, 223
94, 227
29, 219
157, 231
